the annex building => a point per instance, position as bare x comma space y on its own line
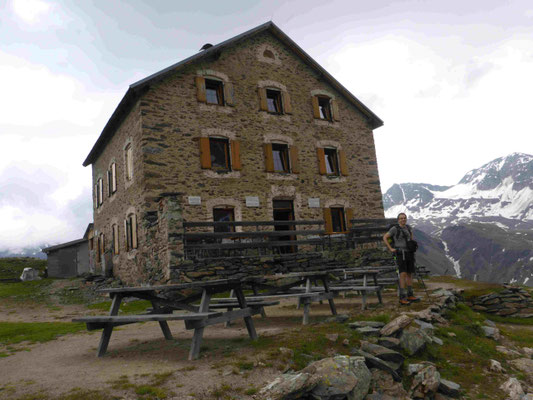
249, 129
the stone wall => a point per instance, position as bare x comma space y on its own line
512, 301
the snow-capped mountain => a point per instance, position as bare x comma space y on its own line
501, 188
481, 228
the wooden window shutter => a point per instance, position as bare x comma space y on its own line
134, 231
316, 109
334, 109
295, 164
321, 161
349, 216
236, 155
269, 158
286, 99
205, 153
328, 225
229, 95
263, 106
342, 162
113, 177
200, 89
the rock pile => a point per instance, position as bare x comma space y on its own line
373, 371
512, 301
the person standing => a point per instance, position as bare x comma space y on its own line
399, 234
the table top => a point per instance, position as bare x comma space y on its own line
212, 284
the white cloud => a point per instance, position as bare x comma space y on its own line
30, 11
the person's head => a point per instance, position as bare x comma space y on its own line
402, 219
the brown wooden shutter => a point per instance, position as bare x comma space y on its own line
263, 106
114, 177
295, 165
349, 216
235, 155
342, 162
134, 231
200, 89
328, 224
316, 109
269, 158
205, 153
286, 99
229, 94
334, 109
321, 161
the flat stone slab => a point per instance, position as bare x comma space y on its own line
395, 325
362, 324
368, 331
390, 343
382, 352
374, 362
449, 388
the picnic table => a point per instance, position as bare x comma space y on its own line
166, 299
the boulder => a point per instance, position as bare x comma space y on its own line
425, 326
288, 387
368, 331
508, 352
384, 387
491, 332
30, 274
340, 318
528, 351
525, 365
437, 340
339, 377
495, 366
382, 352
395, 325
513, 388
426, 382
488, 322
413, 341
449, 388
332, 337
374, 362
389, 342
442, 293
361, 324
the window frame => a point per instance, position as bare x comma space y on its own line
275, 96
128, 161
99, 192
324, 108
116, 241
284, 158
338, 213
227, 155
336, 165
130, 225
218, 87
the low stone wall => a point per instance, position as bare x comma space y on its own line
238, 267
512, 301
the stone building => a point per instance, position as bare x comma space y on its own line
250, 129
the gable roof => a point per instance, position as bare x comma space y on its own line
138, 88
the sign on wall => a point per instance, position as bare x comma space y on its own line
252, 201
313, 202
195, 200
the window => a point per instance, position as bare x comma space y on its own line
214, 92
99, 188
268, 54
332, 162
280, 154
338, 223
112, 179
129, 162
324, 108
337, 219
215, 154
101, 247
130, 226
223, 215
219, 149
115, 239
273, 101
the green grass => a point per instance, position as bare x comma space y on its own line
16, 332
130, 307
509, 319
521, 336
35, 291
12, 267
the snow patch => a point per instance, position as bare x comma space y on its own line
525, 280
456, 265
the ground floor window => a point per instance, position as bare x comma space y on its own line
224, 215
131, 232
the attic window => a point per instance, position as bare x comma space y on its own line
268, 54
214, 92
324, 108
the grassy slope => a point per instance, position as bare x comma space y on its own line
12, 267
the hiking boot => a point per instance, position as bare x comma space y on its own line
413, 299
404, 302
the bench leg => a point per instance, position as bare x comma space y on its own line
256, 293
247, 320
108, 329
307, 304
363, 303
228, 323
378, 292
163, 324
199, 332
330, 301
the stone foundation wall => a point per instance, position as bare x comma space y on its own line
512, 301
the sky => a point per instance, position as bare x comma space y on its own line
452, 81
